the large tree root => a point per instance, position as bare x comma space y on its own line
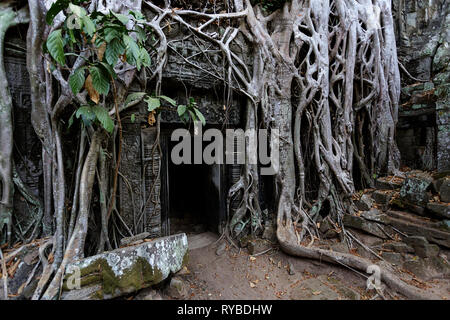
288, 243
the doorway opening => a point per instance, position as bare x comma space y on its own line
196, 201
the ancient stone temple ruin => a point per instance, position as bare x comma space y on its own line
423, 131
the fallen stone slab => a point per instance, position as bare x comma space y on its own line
381, 197
387, 184
441, 210
432, 231
125, 270
364, 203
399, 247
365, 225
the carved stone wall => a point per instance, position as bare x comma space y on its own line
27, 146
423, 42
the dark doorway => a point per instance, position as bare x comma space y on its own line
195, 195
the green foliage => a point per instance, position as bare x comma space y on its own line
100, 79
185, 112
107, 38
91, 113
55, 46
190, 110
76, 80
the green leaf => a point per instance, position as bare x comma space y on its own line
56, 8
122, 18
88, 25
77, 10
104, 118
55, 46
134, 96
193, 116
181, 109
110, 34
133, 118
200, 116
71, 120
132, 49
169, 100
113, 50
86, 113
108, 69
153, 103
145, 57
76, 80
100, 80
137, 15
140, 34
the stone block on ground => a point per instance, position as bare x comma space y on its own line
364, 203
256, 246
393, 257
381, 197
415, 189
399, 247
125, 270
148, 294
387, 184
269, 232
441, 210
363, 224
327, 229
427, 251
178, 288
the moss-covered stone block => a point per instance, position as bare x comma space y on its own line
125, 270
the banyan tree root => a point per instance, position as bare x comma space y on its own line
322, 73
288, 243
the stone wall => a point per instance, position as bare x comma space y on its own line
423, 42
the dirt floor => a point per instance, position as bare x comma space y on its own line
236, 275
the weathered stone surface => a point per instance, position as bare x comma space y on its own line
427, 251
364, 203
256, 246
393, 257
386, 184
421, 246
178, 288
399, 247
417, 226
365, 225
221, 248
327, 229
444, 190
269, 232
440, 209
381, 197
129, 240
416, 266
148, 294
339, 247
415, 241
125, 270
415, 190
